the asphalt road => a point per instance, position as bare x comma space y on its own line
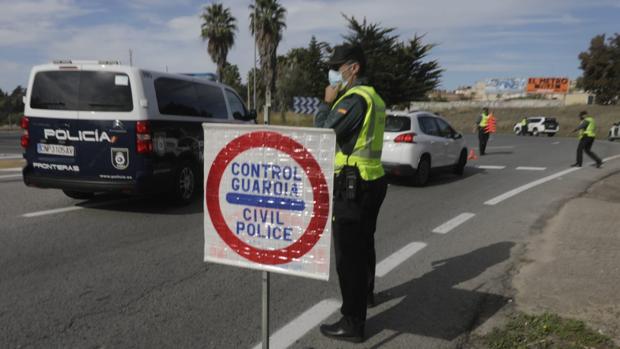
128, 272
9, 143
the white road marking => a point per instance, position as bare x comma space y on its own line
526, 168
11, 156
298, 327
73, 208
611, 158
286, 336
554, 143
13, 169
496, 200
490, 167
453, 223
10, 176
500, 147
54, 211
397, 258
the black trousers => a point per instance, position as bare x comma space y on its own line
353, 229
483, 138
585, 144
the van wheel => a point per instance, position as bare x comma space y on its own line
535, 132
550, 134
517, 131
80, 195
184, 189
420, 178
459, 168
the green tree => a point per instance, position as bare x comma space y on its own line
397, 70
218, 29
267, 21
232, 78
601, 69
302, 72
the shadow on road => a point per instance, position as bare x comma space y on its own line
438, 177
434, 306
153, 204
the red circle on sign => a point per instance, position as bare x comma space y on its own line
262, 139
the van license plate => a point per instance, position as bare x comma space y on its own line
55, 149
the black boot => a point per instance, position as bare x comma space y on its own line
346, 329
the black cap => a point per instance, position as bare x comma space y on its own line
347, 53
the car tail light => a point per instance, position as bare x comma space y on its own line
144, 143
24, 124
405, 138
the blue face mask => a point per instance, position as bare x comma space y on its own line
335, 77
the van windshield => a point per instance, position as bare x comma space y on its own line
82, 91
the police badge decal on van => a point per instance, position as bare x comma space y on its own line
120, 158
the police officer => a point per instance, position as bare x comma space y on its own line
483, 133
357, 114
523, 126
587, 134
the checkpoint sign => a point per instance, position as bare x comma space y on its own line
268, 197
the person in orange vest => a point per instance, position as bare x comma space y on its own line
482, 124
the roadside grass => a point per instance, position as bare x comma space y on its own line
547, 331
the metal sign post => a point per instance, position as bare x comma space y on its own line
266, 273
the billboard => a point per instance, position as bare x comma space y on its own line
547, 85
507, 85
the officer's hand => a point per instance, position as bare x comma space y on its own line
331, 92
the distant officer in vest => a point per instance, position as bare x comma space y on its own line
483, 132
587, 134
357, 114
523, 126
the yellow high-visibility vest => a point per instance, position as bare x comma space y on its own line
366, 155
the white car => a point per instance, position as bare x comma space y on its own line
537, 125
614, 132
416, 142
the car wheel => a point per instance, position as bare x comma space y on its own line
80, 195
550, 134
610, 137
535, 132
517, 131
459, 168
184, 189
420, 178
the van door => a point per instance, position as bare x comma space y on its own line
106, 149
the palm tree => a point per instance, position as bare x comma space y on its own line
218, 29
267, 23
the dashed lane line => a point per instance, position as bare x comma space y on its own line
13, 169
529, 168
397, 258
453, 223
10, 176
73, 208
286, 336
490, 167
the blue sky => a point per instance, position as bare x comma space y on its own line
477, 39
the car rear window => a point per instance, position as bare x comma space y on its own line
81, 91
395, 123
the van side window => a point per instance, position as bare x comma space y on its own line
176, 97
236, 105
211, 102
187, 98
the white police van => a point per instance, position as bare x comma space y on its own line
98, 126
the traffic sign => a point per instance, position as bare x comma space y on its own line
306, 105
268, 197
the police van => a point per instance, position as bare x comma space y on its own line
99, 126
